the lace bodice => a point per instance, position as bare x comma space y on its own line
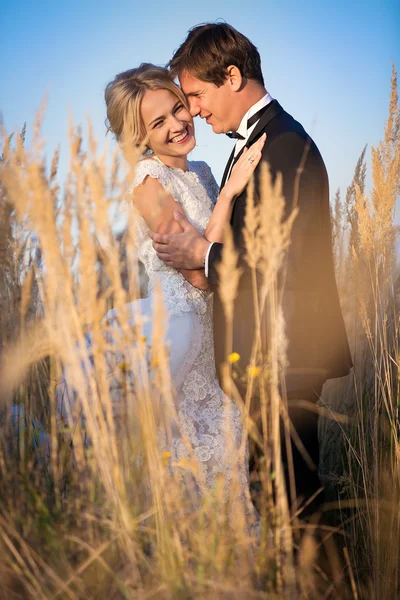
196, 191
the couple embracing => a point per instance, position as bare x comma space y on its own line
181, 239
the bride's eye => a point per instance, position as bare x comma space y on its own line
179, 107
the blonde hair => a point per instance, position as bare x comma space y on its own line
124, 95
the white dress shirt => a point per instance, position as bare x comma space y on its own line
242, 129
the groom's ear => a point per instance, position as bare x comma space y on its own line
234, 78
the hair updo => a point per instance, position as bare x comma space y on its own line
124, 95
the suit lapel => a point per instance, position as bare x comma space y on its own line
225, 175
229, 166
274, 108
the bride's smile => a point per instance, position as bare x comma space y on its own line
181, 138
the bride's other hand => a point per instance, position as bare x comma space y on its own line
240, 177
244, 168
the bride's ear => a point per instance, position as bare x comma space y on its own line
234, 78
146, 143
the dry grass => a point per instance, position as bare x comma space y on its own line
89, 506
370, 445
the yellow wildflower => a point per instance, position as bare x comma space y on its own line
233, 357
165, 456
253, 371
123, 367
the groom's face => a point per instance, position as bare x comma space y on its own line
212, 103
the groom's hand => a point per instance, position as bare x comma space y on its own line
186, 250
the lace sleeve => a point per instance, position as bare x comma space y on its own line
156, 170
152, 168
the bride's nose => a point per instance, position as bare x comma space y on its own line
177, 124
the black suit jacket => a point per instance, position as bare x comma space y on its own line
317, 341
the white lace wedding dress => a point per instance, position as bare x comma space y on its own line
210, 419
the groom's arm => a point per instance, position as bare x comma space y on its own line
189, 249
213, 258
157, 209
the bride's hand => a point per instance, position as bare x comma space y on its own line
245, 167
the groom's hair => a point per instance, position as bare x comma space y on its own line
210, 49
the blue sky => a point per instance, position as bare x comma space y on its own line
328, 64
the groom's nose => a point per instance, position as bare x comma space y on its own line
194, 109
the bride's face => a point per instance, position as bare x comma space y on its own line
169, 124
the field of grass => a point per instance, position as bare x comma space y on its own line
90, 507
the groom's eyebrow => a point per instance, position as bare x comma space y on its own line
195, 92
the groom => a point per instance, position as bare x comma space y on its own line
219, 70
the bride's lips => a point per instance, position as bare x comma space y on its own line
185, 139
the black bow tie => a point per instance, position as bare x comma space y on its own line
256, 117
235, 135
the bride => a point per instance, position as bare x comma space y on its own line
144, 106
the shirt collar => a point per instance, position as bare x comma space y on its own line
242, 129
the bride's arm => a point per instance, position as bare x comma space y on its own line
220, 216
157, 206
240, 177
